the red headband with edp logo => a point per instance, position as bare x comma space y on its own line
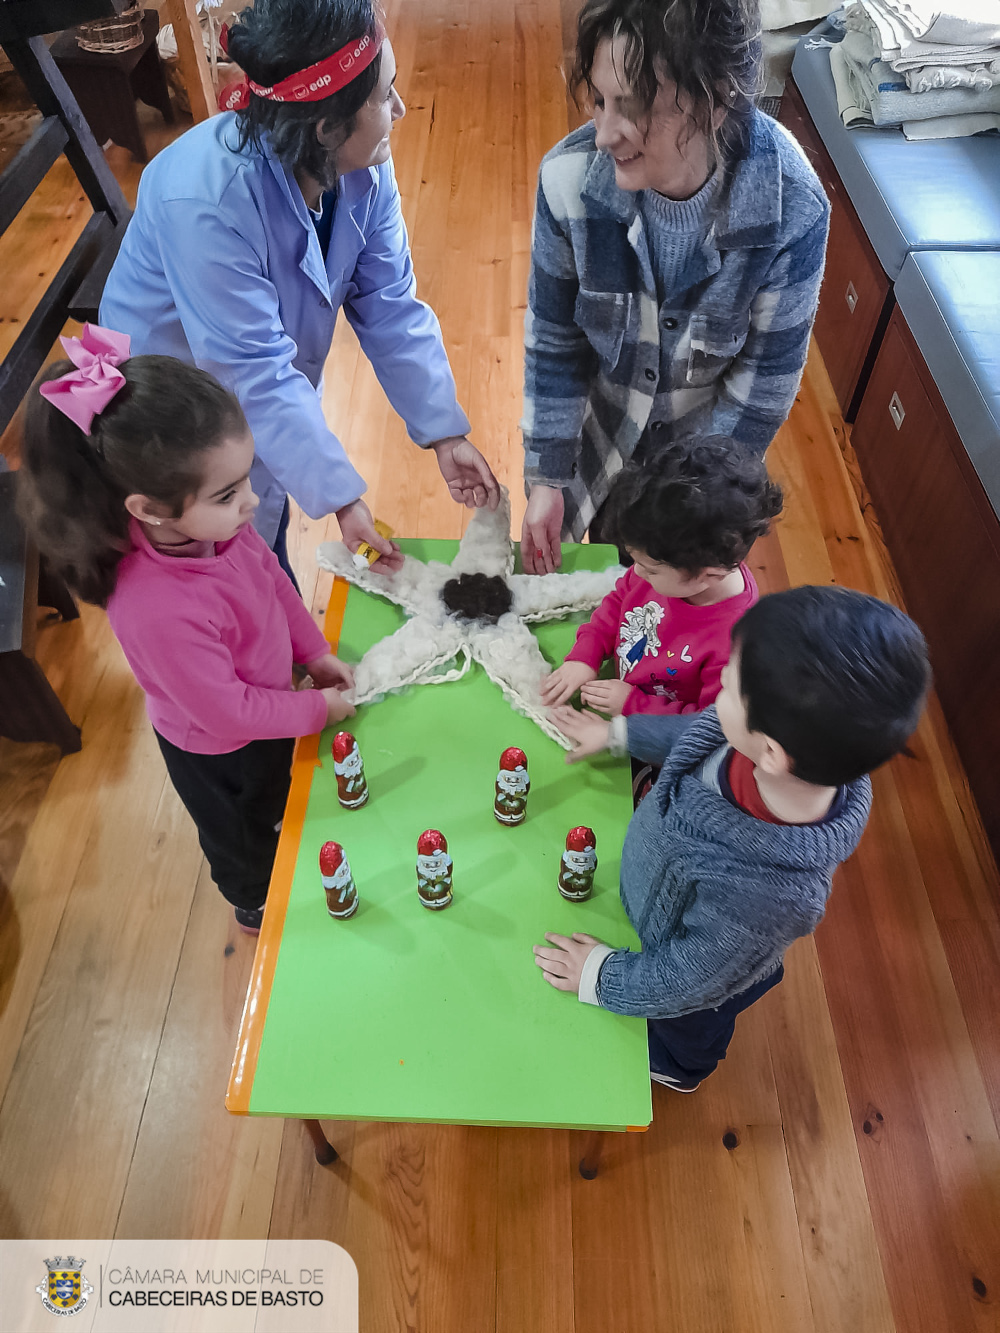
312, 84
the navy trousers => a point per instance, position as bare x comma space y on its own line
281, 546
690, 1047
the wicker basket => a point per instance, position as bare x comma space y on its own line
121, 33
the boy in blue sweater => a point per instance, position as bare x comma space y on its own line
731, 855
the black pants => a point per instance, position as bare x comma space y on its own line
235, 800
689, 1048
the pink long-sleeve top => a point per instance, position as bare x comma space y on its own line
212, 640
670, 651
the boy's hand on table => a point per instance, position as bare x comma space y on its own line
607, 696
562, 962
329, 671
564, 682
588, 730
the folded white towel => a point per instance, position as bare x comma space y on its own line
898, 47
960, 23
869, 88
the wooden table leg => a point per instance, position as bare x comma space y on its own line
325, 1151
593, 1148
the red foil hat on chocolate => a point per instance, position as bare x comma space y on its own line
580, 838
513, 758
331, 854
431, 841
343, 744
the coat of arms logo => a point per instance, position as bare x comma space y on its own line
67, 1290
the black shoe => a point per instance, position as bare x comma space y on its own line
249, 918
665, 1081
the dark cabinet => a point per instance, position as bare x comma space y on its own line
855, 299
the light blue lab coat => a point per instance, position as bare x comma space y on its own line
221, 266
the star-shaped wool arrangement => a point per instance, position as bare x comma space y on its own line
438, 644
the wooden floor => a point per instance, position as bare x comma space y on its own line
839, 1174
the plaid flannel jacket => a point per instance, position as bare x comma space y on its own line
734, 334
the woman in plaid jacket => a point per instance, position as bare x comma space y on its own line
677, 254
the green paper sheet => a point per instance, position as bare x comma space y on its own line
401, 1013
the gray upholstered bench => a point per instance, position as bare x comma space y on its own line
890, 197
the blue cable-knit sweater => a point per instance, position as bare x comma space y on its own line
715, 895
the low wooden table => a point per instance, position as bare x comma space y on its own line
403, 1014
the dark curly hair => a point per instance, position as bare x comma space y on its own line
711, 49
149, 440
694, 504
276, 38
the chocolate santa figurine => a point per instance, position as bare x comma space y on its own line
352, 788
433, 869
512, 787
579, 861
341, 891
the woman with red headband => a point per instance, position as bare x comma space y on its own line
254, 229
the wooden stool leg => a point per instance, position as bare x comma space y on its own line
325, 1151
149, 84
52, 591
29, 707
590, 1162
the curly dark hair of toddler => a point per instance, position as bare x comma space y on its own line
694, 504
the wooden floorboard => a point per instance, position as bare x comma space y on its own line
840, 1172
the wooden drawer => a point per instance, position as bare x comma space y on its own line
855, 299
944, 538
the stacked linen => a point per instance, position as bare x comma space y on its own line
936, 73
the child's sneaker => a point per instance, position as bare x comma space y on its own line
249, 918
666, 1081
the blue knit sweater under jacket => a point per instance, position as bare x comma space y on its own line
715, 895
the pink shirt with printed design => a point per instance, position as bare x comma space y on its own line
670, 651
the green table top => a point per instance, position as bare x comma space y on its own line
401, 1013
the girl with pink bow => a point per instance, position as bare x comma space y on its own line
135, 484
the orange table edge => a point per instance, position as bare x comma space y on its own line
304, 763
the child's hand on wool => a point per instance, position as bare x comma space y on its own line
590, 732
337, 707
564, 682
327, 671
607, 696
562, 963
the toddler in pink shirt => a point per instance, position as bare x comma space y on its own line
687, 516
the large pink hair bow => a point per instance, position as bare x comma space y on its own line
84, 393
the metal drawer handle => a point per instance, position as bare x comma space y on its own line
851, 297
896, 411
